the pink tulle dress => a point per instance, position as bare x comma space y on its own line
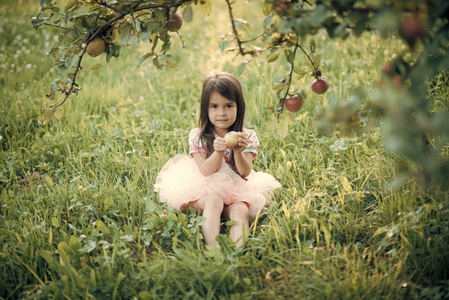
180, 182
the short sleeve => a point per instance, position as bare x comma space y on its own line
195, 144
253, 142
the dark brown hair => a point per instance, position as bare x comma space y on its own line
228, 86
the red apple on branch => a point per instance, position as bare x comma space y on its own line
388, 67
175, 22
411, 29
282, 7
293, 103
320, 85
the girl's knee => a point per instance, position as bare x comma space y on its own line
214, 203
239, 212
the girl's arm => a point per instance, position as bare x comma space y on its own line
243, 160
211, 164
243, 163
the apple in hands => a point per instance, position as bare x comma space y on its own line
232, 139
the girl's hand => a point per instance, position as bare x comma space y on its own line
219, 144
243, 142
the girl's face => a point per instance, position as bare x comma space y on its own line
222, 112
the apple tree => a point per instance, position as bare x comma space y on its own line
418, 131
105, 26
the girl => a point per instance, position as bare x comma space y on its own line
213, 178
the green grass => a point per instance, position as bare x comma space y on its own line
79, 219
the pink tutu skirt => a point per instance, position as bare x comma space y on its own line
180, 182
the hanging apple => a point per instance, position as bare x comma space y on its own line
282, 7
175, 22
320, 85
411, 29
96, 47
388, 67
293, 103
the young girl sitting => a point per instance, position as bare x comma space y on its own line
213, 178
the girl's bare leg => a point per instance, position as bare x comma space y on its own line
212, 207
238, 212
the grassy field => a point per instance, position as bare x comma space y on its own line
79, 219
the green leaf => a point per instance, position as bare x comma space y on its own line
55, 222
241, 68
223, 45
36, 22
272, 125
171, 63
157, 63
312, 46
267, 21
128, 36
101, 226
49, 258
345, 184
53, 88
360, 25
317, 16
59, 112
289, 55
273, 56
317, 59
53, 52
309, 65
282, 129
70, 4
302, 94
108, 202
48, 181
279, 84
187, 14
288, 117
380, 230
143, 58
278, 87
299, 72
96, 66
43, 4
241, 24
205, 6
46, 116
133, 184
145, 35
267, 8
70, 61
231, 223
340, 29
144, 295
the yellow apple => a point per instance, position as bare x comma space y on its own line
95, 47
232, 139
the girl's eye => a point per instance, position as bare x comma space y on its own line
229, 105
213, 106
